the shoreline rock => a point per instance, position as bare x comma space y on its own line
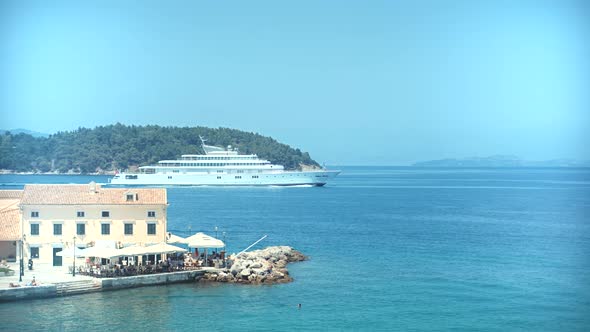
265, 266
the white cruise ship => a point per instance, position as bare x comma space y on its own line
222, 167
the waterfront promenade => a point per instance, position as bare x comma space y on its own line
56, 281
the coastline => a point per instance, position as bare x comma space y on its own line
264, 266
85, 285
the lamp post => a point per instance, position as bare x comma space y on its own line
21, 273
224, 252
74, 263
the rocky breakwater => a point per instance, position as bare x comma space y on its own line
266, 266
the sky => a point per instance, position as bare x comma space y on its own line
350, 82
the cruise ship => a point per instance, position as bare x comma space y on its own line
222, 167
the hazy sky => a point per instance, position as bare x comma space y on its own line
363, 82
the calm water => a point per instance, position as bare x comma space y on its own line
390, 248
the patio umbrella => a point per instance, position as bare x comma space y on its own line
134, 250
172, 238
69, 252
163, 248
202, 240
100, 252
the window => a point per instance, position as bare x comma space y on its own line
128, 229
169, 177
219, 178
80, 229
57, 229
238, 177
151, 214
255, 176
151, 229
106, 214
129, 197
34, 229
34, 252
105, 229
80, 214
34, 214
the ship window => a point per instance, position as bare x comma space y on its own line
169, 177
219, 171
175, 171
131, 177
219, 177
238, 177
255, 176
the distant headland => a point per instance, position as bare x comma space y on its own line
500, 161
104, 149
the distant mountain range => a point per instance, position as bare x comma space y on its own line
24, 131
501, 161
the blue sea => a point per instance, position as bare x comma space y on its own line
391, 249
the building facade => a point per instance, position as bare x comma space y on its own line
10, 233
56, 217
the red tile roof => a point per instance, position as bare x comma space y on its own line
10, 194
90, 194
10, 221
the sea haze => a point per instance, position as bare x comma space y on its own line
391, 248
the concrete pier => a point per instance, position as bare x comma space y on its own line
90, 285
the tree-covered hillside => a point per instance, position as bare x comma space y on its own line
106, 148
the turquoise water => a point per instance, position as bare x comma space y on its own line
390, 249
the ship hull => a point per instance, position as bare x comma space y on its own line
286, 178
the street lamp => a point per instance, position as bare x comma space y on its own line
21, 273
74, 264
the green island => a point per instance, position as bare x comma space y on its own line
118, 147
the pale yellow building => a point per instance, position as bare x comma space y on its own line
55, 216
